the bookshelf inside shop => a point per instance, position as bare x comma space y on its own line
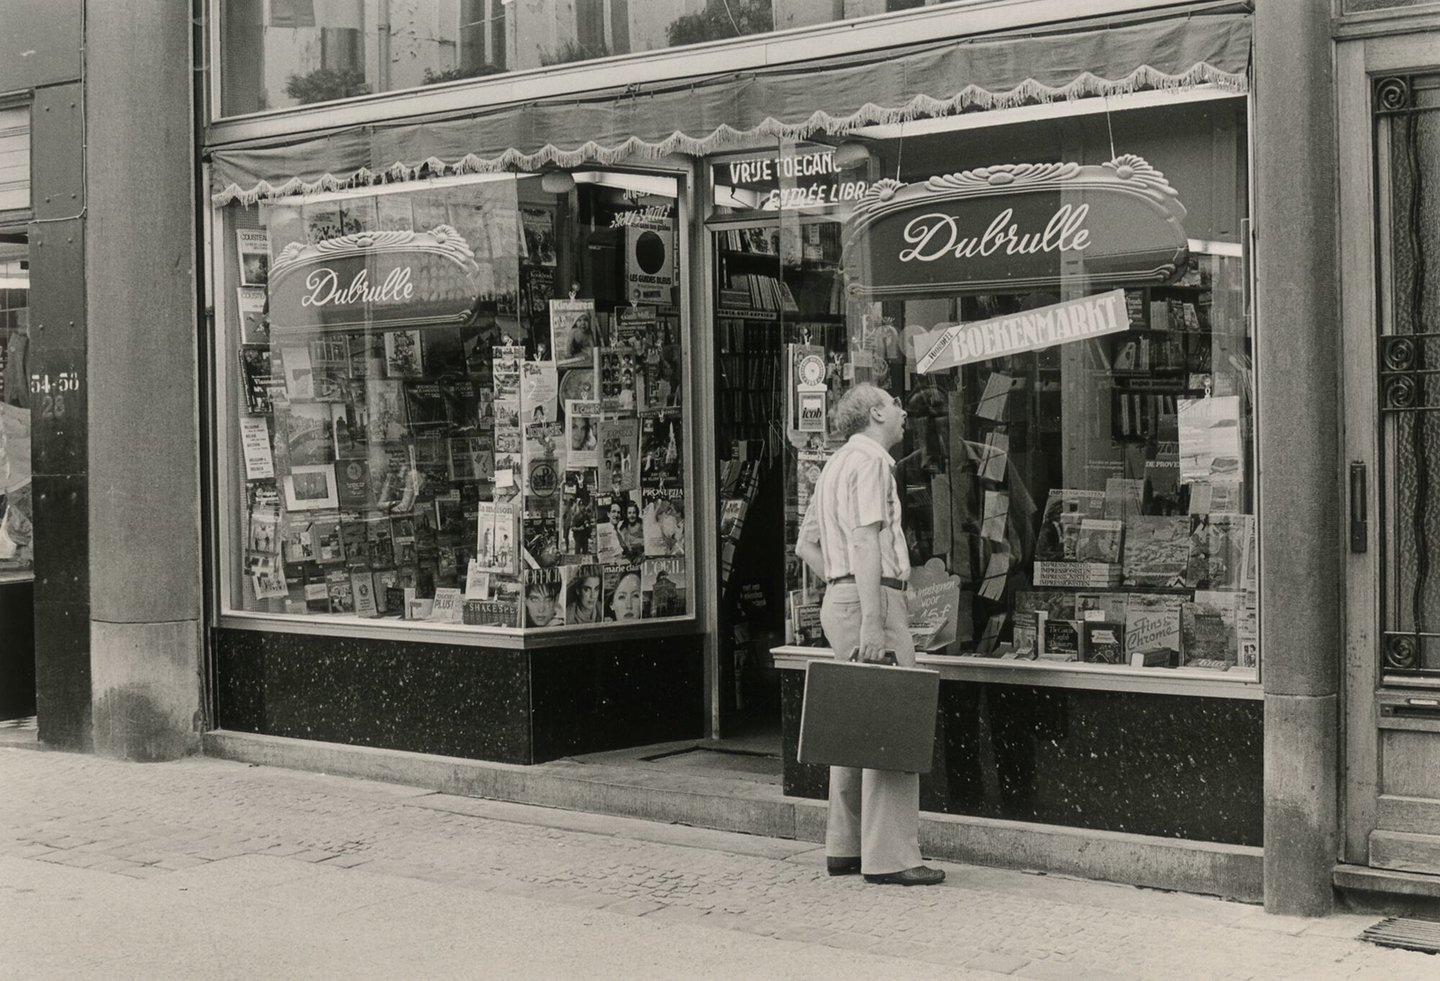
1085, 506
777, 288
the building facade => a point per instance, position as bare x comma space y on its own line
466, 397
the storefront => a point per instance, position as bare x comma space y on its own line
518, 387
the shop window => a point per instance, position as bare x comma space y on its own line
1078, 469
265, 44
459, 404
17, 557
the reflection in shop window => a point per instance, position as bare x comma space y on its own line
298, 52
16, 544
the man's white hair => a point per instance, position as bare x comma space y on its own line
852, 411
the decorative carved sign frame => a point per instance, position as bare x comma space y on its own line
1016, 228
374, 279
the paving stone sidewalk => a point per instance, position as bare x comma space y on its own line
157, 820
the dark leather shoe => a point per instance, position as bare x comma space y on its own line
920, 875
841, 866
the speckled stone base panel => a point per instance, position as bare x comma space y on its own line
1166, 765
507, 706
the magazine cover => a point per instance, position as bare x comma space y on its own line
635, 328
362, 589
538, 225
582, 442
391, 474
1219, 550
403, 357
621, 377
1210, 447
539, 385
385, 419
609, 519
662, 382
330, 368
618, 448
267, 577
253, 245
341, 593
293, 364
622, 599
505, 371
664, 521
306, 430
543, 604
662, 588
257, 379
380, 550
581, 587
544, 441
1065, 508
495, 546
660, 441
541, 535
1207, 630
573, 335
1152, 622
252, 306
425, 406
1157, 550
472, 458
351, 423
1100, 540
352, 483
577, 512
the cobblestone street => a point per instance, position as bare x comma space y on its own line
208, 868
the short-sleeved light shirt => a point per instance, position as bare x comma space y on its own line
857, 488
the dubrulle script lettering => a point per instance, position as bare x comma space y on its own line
324, 287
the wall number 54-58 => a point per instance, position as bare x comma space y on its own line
52, 391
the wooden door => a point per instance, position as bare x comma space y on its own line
1389, 112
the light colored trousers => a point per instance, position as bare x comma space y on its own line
874, 814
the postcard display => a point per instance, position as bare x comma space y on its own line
426, 431
1083, 497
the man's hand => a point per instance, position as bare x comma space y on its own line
872, 640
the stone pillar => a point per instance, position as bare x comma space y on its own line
1298, 338
145, 572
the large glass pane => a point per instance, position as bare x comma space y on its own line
460, 401
17, 556
1081, 497
280, 53
1410, 365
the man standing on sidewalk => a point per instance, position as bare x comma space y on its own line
851, 537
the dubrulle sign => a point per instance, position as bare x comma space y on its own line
374, 279
1016, 228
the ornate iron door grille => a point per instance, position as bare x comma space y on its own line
1407, 143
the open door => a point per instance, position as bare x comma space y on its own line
1390, 241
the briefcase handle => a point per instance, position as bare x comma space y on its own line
886, 657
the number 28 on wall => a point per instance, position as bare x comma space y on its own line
53, 391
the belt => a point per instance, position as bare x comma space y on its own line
886, 581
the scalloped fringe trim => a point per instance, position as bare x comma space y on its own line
972, 98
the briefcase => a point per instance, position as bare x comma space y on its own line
875, 716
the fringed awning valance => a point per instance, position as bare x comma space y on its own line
705, 115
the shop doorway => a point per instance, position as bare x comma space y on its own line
1390, 247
